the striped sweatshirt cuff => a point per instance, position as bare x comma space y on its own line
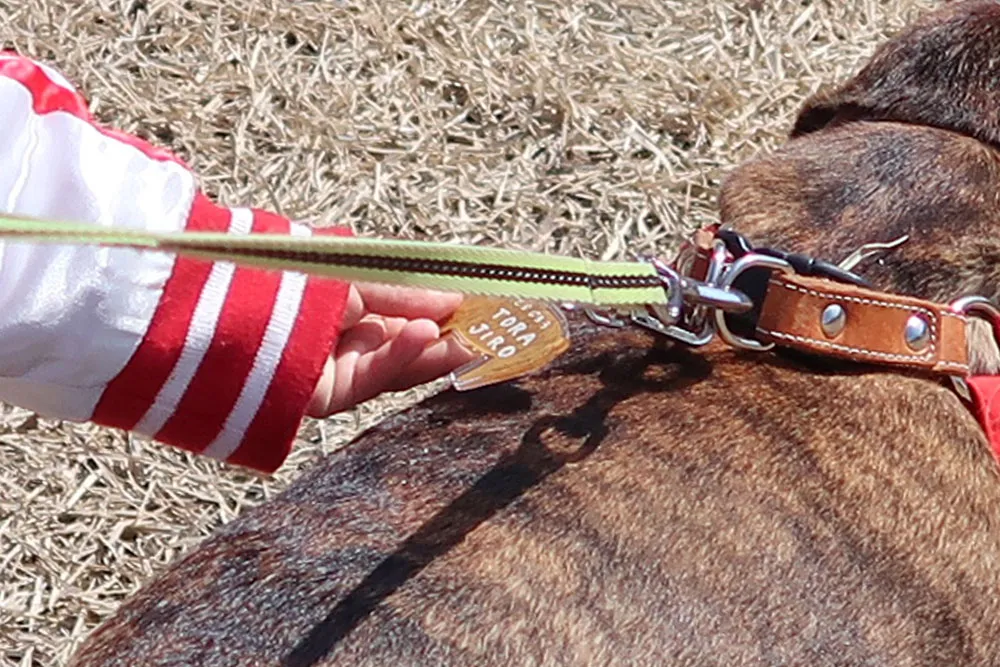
232, 354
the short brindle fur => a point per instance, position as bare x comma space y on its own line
643, 504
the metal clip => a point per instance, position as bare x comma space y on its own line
695, 310
666, 315
672, 312
871, 250
692, 325
605, 318
718, 298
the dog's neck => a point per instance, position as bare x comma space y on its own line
941, 71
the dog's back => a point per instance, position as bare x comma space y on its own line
646, 505
631, 505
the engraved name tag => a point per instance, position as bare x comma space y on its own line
514, 337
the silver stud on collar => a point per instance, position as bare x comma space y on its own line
917, 333
833, 319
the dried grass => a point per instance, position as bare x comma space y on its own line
588, 128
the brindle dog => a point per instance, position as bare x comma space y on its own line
644, 504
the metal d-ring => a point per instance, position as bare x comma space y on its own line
871, 250
751, 261
701, 317
603, 319
974, 304
971, 305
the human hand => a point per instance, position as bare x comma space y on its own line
391, 341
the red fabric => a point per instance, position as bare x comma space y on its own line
217, 384
270, 436
48, 97
130, 394
985, 390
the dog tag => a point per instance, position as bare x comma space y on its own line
513, 337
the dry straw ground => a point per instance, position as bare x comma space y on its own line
586, 127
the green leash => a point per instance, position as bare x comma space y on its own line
440, 266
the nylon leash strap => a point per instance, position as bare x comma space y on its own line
718, 286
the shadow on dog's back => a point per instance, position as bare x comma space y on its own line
630, 505
643, 504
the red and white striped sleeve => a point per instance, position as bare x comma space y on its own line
209, 357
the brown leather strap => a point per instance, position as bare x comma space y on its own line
874, 325
701, 243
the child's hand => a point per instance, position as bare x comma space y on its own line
391, 341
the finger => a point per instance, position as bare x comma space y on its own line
428, 362
408, 302
360, 377
320, 400
340, 374
366, 335
435, 360
354, 310
370, 333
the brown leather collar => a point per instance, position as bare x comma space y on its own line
833, 318
849, 322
